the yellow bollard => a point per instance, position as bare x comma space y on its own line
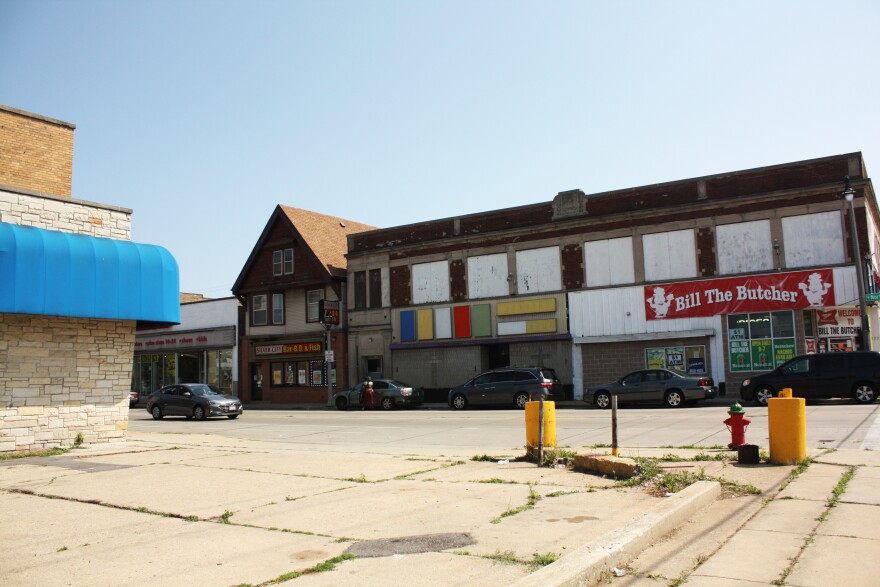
787, 422
532, 417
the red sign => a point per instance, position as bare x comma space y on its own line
756, 293
301, 348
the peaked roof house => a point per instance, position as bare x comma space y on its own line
298, 260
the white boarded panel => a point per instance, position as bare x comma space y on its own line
430, 282
744, 247
508, 328
609, 262
538, 270
442, 322
846, 288
813, 239
487, 276
603, 312
669, 255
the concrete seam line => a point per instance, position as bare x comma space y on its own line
613, 548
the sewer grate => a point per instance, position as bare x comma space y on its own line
410, 544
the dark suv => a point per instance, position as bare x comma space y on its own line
820, 376
513, 386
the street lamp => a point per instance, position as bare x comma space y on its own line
848, 194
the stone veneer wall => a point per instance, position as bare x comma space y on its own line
61, 376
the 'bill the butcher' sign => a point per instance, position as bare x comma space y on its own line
755, 293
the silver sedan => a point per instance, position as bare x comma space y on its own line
653, 385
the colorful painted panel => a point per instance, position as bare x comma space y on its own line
443, 323
481, 320
407, 325
540, 326
425, 328
527, 307
462, 317
509, 328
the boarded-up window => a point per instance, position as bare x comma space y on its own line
813, 239
375, 288
744, 247
487, 276
538, 270
360, 290
430, 282
669, 255
609, 262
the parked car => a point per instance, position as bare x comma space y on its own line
387, 394
508, 386
193, 400
853, 375
133, 397
653, 385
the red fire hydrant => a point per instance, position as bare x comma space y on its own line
737, 424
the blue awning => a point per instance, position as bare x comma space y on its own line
62, 274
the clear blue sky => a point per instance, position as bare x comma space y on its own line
201, 116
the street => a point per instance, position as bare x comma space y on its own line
830, 424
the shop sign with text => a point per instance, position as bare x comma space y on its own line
299, 348
839, 322
755, 293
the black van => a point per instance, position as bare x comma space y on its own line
819, 376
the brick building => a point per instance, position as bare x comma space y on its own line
597, 285
72, 290
298, 261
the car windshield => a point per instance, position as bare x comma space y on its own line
201, 389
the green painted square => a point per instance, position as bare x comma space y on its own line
481, 320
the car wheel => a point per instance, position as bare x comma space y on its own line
762, 394
341, 403
459, 402
520, 400
157, 412
602, 399
674, 399
199, 413
865, 393
232, 416
387, 403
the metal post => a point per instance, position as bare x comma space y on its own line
614, 452
327, 365
848, 194
541, 432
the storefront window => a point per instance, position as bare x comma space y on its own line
683, 359
289, 373
760, 341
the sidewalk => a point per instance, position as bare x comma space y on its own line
197, 509
799, 538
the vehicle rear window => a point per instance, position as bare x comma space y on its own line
549, 374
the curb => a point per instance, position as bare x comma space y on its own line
586, 564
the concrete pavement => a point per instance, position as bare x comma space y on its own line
175, 509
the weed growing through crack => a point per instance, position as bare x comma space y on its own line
224, 517
361, 479
542, 560
77, 442
530, 503
484, 458
34, 453
496, 480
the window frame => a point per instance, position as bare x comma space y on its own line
264, 309
282, 262
316, 304
276, 320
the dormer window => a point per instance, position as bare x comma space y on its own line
282, 262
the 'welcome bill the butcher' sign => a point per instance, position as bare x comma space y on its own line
755, 293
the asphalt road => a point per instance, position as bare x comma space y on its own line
831, 424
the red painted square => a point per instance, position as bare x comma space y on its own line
461, 316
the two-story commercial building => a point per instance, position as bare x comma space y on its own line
725, 275
298, 261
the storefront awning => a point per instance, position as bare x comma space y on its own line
62, 274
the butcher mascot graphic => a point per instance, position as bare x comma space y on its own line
815, 289
659, 302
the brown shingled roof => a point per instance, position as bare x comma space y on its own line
325, 235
